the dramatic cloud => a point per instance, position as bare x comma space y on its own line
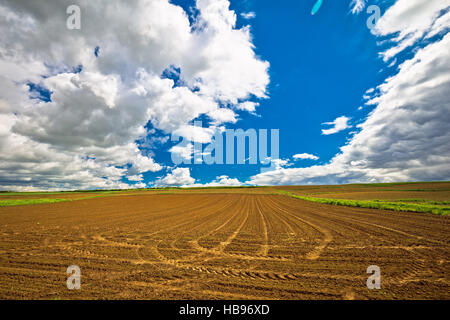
406, 137
338, 124
76, 104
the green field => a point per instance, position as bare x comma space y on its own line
435, 207
22, 202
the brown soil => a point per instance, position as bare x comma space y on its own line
220, 246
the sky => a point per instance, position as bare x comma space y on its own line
356, 97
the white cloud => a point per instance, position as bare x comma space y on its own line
280, 163
441, 24
102, 86
248, 106
86, 136
338, 124
221, 181
357, 6
195, 133
181, 177
183, 152
138, 177
248, 15
178, 177
303, 156
408, 21
232, 70
222, 115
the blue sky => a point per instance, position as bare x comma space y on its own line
93, 103
320, 67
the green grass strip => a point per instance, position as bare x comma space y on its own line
395, 206
25, 202
422, 201
22, 202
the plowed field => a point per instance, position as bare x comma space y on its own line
220, 246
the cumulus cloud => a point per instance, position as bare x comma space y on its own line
406, 137
178, 177
222, 115
181, 177
220, 181
183, 152
280, 163
303, 156
338, 124
106, 86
